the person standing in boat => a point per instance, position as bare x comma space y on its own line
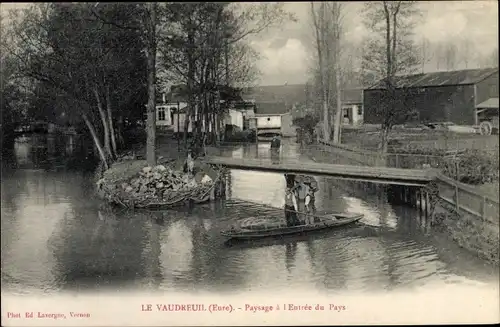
311, 198
290, 213
290, 201
301, 193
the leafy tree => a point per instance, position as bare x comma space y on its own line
205, 48
81, 63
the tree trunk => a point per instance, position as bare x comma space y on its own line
105, 124
388, 43
110, 119
384, 142
338, 112
97, 142
319, 44
190, 81
151, 67
119, 133
187, 121
205, 114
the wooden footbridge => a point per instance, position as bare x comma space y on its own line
384, 175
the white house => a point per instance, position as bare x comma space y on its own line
179, 119
165, 113
352, 107
234, 117
273, 118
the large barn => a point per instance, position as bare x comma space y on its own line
451, 96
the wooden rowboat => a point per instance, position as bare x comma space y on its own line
323, 222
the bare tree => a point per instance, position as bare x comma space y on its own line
490, 59
391, 51
465, 51
450, 55
426, 53
336, 14
438, 52
326, 18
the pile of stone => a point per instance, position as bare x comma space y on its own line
160, 185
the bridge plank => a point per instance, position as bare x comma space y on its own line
375, 174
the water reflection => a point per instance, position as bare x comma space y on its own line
290, 253
52, 152
55, 236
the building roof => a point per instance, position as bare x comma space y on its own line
294, 94
457, 77
352, 96
290, 94
488, 104
271, 108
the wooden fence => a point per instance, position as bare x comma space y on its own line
463, 197
466, 198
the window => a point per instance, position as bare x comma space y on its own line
360, 111
161, 113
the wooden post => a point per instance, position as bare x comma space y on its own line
420, 200
178, 131
426, 205
256, 138
483, 207
414, 197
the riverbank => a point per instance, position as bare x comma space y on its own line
480, 237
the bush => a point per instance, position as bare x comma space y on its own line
306, 127
474, 166
135, 135
307, 123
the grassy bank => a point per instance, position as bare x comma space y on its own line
469, 232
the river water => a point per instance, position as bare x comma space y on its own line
57, 237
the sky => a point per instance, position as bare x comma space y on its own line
286, 51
